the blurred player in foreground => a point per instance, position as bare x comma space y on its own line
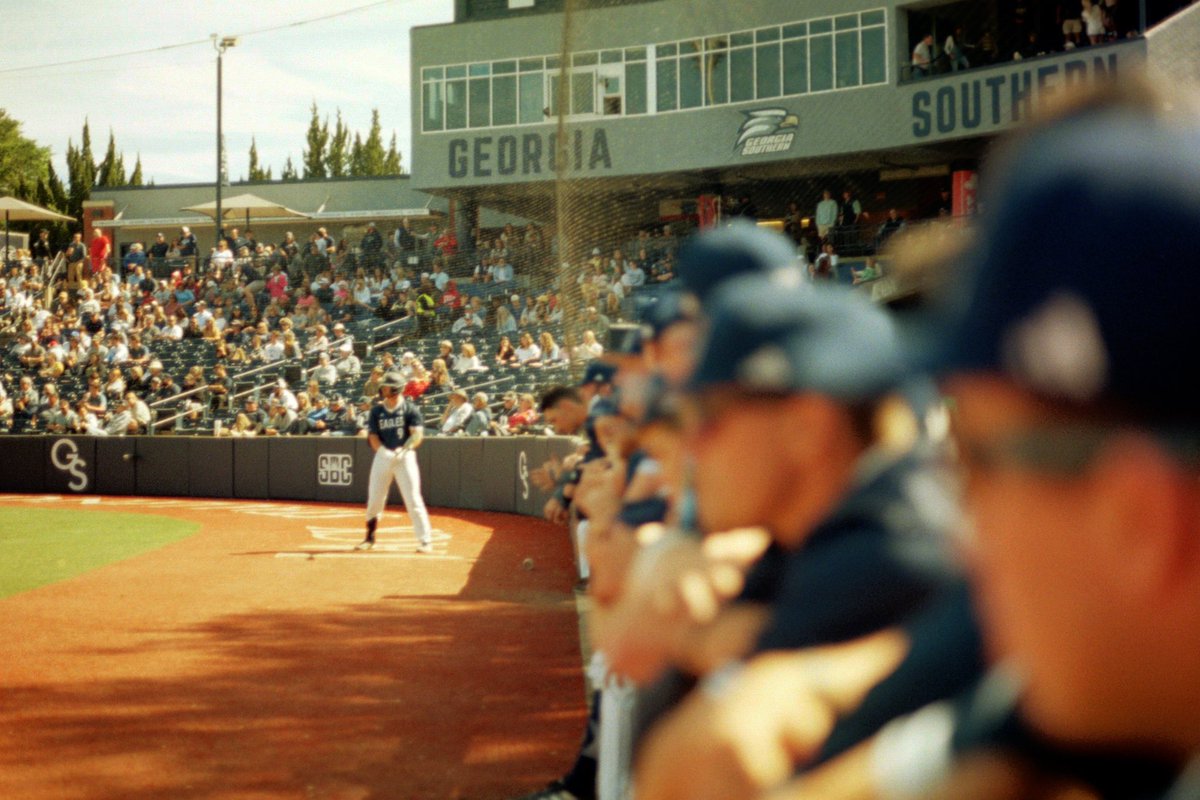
1076, 422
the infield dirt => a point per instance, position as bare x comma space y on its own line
231, 664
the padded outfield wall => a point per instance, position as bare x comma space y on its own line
489, 474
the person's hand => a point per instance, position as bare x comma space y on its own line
601, 485
737, 741
673, 587
545, 476
554, 511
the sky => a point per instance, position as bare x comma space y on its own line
162, 104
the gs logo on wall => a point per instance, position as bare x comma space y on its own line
64, 455
335, 469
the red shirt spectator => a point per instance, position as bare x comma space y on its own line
451, 298
101, 247
415, 388
277, 285
447, 243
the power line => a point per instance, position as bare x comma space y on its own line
193, 43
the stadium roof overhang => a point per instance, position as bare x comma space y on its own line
539, 200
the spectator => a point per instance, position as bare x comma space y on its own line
504, 320
953, 48
824, 269
187, 242
457, 413
139, 414
851, 212
528, 353
633, 276
99, 251
922, 57
468, 360
280, 421
418, 384
506, 354
348, 365
508, 407
325, 372
158, 250
893, 224
551, 352
480, 420
439, 376
372, 247
588, 349
526, 416
222, 257
826, 214
1092, 17
135, 258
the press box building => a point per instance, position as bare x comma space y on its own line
669, 102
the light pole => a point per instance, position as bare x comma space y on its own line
220, 44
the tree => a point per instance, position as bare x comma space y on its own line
372, 155
136, 178
391, 162
58, 192
318, 141
87, 159
257, 173
356, 157
289, 171
338, 157
111, 171
20, 158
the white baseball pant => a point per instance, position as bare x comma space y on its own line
402, 466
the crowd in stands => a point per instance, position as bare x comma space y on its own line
1077, 24
161, 339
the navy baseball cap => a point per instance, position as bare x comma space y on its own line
710, 258
598, 372
666, 309
1081, 286
768, 339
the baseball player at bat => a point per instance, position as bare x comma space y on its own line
395, 431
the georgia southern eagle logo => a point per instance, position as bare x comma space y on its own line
766, 130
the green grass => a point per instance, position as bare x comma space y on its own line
39, 546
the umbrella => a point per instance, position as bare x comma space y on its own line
20, 211
250, 204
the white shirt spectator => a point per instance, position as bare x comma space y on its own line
467, 320
349, 366
325, 373
472, 364
634, 276
527, 354
285, 396
502, 272
440, 279
273, 350
457, 419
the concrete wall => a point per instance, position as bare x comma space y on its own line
490, 474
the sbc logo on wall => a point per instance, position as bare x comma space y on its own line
335, 469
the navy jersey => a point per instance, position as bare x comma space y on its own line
392, 426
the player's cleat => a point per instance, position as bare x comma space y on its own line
365, 544
425, 547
